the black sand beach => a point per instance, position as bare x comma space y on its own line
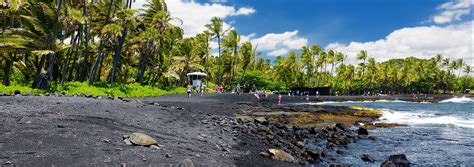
64, 131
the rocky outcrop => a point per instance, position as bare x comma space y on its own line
367, 158
362, 131
278, 154
397, 160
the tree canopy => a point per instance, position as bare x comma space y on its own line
105, 41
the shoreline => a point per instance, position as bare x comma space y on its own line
294, 98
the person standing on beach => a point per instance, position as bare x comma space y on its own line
255, 92
198, 89
237, 89
189, 90
201, 89
279, 98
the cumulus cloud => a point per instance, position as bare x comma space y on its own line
196, 15
453, 11
277, 44
453, 41
218, 1
245, 11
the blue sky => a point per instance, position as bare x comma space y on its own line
385, 28
327, 21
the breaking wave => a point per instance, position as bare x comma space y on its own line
463, 99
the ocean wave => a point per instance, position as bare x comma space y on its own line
463, 99
367, 101
390, 116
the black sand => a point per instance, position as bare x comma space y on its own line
79, 131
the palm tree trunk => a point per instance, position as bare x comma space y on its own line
7, 68
66, 61
76, 54
118, 53
38, 72
101, 48
85, 64
59, 8
219, 77
141, 67
234, 65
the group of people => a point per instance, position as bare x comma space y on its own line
200, 89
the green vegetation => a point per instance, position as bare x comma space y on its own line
61, 45
100, 89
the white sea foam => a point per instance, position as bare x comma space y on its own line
392, 101
463, 99
411, 118
366, 101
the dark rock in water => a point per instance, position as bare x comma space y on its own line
314, 155
46, 94
367, 158
265, 154
397, 160
168, 155
60, 126
362, 131
339, 165
372, 138
88, 95
301, 162
186, 163
341, 126
17, 92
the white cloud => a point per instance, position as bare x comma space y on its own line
218, 1
454, 42
277, 44
196, 15
453, 11
247, 38
278, 52
245, 11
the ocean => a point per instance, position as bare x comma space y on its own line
436, 133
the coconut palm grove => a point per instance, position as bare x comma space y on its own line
49, 44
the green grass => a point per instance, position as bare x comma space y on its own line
26, 89
100, 89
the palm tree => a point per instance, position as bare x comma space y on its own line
467, 69
459, 65
129, 22
362, 56
101, 47
308, 61
316, 51
216, 29
248, 54
438, 59
185, 61
231, 41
